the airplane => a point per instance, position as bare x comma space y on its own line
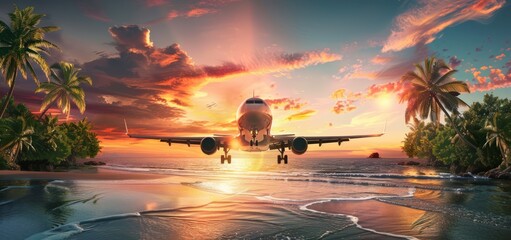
254, 119
211, 105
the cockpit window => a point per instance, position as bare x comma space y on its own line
254, 101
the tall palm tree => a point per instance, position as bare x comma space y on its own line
15, 137
64, 89
498, 136
21, 43
433, 91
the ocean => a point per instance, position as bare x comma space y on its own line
259, 199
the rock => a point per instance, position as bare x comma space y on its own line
374, 155
401, 163
412, 163
94, 163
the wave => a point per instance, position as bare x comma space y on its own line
355, 219
15, 187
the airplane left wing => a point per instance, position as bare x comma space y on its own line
222, 140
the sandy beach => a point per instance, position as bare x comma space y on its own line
80, 174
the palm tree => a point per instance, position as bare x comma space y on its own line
498, 136
64, 89
433, 91
21, 43
15, 137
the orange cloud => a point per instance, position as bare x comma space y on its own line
285, 103
423, 23
343, 106
301, 115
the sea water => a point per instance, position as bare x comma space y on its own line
259, 199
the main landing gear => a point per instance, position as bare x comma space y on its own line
282, 157
225, 157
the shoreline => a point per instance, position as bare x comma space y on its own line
80, 174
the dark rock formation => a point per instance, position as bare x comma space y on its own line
374, 155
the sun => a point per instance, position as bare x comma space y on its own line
385, 100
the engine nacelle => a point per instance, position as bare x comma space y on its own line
299, 145
208, 145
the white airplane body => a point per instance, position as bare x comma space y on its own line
254, 119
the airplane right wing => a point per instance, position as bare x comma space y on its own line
286, 141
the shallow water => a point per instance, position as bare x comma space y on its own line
258, 199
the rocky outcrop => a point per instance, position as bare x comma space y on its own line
374, 155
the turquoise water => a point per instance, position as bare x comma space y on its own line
258, 199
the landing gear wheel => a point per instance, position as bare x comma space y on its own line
257, 143
251, 143
285, 159
229, 159
222, 159
279, 158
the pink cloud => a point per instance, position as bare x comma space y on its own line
197, 12
422, 23
381, 59
500, 56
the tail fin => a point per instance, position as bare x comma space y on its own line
126, 126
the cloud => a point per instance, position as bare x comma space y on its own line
494, 80
500, 56
376, 90
92, 9
276, 62
343, 106
155, 3
381, 59
423, 23
186, 9
197, 12
285, 103
454, 61
301, 115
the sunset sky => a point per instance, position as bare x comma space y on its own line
327, 67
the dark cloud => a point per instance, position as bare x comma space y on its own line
454, 62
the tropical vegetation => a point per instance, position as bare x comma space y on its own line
21, 44
476, 141
33, 142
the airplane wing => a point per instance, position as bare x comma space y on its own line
285, 141
221, 139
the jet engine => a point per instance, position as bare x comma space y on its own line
299, 145
208, 145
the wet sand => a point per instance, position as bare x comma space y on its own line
383, 217
85, 174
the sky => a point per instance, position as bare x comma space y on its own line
327, 67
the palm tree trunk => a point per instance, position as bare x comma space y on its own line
44, 111
454, 126
9, 96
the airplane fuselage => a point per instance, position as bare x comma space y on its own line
254, 120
